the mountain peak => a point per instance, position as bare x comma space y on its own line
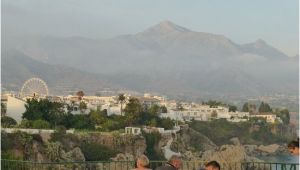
166, 27
259, 43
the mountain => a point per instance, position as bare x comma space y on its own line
17, 68
172, 60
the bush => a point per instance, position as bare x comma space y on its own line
97, 152
25, 124
40, 124
8, 122
152, 140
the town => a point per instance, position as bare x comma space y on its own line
178, 112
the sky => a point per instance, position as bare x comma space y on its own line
275, 21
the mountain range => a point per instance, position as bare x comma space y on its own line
165, 58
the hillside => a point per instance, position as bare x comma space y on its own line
17, 68
172, 60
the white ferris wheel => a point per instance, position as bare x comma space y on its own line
34, 87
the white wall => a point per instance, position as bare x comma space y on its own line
15, 108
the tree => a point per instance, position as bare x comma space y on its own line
80, 94
82, 106
232, 108
43, 109
213, 103
245, 107
284, 115
40, 124
154, 110
3, 109
164, 109
132, 111
8, 122
121, 99
96, 152
97, 117
264, 107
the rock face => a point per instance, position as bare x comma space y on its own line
270, 149
229, 156
74, 155
191, 140
135, 145
123, 157
235, 141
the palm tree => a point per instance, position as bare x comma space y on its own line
3, 109
121, 99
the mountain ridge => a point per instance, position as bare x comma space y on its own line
179, 61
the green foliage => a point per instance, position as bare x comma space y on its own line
132, 111
163, 109
97, 152
264, 107
3, 109
54, 151
9, 155
121, 99
8, 122
284, 115
82, 106
79, 121
152, 140
220, 131
213, 103
43, 109
245, 107
97, 117
25, 124
166, 123
40, 124
133, 107
232, 108
154, 110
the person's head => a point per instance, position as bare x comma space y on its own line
142, 161
293, 147
212, 165
175, 161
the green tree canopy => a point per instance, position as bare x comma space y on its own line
8, 122
43, 109
264, 107
232, 108
245, 107
121, 99
284, 115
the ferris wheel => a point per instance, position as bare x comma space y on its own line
34, 87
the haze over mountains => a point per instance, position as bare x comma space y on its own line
165, 58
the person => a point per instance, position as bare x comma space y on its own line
142, 163
293, 147
212, 165
174, 163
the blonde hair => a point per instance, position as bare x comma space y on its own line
142, 160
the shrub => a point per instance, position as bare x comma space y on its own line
97, 152
40, 124
8, 122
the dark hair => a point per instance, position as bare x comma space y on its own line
294, 144
214, 164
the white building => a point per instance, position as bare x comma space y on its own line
204, 112
270, 118
15, 108
133, 130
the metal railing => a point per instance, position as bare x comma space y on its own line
128, 165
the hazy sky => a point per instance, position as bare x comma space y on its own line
275, 21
